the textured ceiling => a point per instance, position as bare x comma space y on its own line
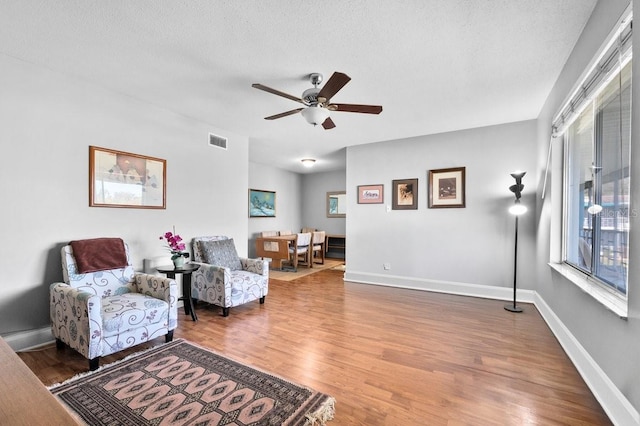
434, 65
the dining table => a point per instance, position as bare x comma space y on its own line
277, 248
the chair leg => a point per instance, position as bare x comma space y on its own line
225, 312
59, 344
262, 300
94, 363
169, 336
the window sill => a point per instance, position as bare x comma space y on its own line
610, 300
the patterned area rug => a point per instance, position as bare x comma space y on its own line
179, 383
303, 271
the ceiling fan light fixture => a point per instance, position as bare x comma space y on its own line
308, 162
315, 115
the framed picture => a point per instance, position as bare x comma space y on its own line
262, 203
122, 179
446, 188
405, 194
370, 194
337, 204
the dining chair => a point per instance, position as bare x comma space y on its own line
300, 251
318, 245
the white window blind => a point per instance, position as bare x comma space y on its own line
613, 57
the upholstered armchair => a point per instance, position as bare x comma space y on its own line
103, 306
225, 279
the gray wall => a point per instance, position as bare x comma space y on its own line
611, 341
314, 201
300, 200
47, 122
472, 245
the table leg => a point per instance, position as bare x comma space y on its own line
186, 294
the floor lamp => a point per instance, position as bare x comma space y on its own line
517, 209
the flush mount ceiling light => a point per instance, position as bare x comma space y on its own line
594, 209
308, 162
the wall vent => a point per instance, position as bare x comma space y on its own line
219, 141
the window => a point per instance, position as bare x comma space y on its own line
597, 185
596, 127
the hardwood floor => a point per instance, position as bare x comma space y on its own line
389, 356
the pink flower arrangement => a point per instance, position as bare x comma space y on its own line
175, 244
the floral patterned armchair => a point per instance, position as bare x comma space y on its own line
104, 311
224, 279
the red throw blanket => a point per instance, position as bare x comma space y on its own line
99, 254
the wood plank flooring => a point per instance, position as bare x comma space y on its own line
389, 356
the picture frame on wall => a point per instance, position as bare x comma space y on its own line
405, 194
262, 203
370, 194
337, 204
122, 179
447, 188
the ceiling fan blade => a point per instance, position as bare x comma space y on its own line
328, 124
276, 92
365, 109
331, 87
283, 114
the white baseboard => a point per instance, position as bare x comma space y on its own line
30, 339
614, 403
449, 287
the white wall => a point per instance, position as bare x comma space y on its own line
613, 343
470, 246
47, 122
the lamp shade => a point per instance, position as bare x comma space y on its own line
315, 114
308, 162
517, 209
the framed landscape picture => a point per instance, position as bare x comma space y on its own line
447, 188
370, 194
262, 203
405, 194
123, 179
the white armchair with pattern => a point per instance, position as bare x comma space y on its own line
225, 279
103, 306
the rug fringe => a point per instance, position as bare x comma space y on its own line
322, 414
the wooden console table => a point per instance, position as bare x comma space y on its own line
335, 246
25, 400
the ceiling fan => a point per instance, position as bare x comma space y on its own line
318, 101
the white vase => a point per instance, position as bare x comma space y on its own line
178, 262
